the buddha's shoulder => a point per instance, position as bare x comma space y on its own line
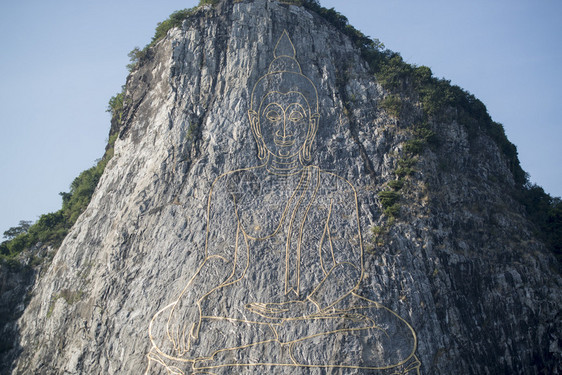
233, 180
334, 181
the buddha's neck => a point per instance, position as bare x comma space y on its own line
284, 167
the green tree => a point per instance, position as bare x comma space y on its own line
115, 105
135, 56
13, 232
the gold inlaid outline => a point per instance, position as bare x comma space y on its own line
269, 310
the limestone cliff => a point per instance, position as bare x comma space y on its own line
443, 259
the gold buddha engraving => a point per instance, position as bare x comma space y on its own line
282, 280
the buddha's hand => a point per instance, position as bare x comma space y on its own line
183, 325
285, 310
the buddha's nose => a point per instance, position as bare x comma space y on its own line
282, 133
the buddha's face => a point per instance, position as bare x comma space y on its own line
285, 123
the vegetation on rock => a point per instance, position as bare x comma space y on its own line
51, 228
174, 20
437, 98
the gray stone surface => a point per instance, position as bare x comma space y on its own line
461, 265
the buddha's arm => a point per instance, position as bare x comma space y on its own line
215, 269
345, 273
340, 281
185, 317
345, 238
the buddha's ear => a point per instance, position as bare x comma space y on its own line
256, 131
314, 121
254, 123
307, 147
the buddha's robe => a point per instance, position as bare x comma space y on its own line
290, 238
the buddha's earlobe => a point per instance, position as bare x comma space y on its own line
255, 126
307, 147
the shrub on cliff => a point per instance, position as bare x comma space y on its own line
436, 97
22, 228
51, 228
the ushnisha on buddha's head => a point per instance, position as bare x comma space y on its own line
284, 108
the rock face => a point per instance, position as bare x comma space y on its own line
189, 228
15, 282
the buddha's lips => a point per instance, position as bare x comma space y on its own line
284, 142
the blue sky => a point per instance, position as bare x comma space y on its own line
62, 60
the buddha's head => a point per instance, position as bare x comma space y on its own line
284, 108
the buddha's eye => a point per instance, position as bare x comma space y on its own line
296, 116
273, 116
